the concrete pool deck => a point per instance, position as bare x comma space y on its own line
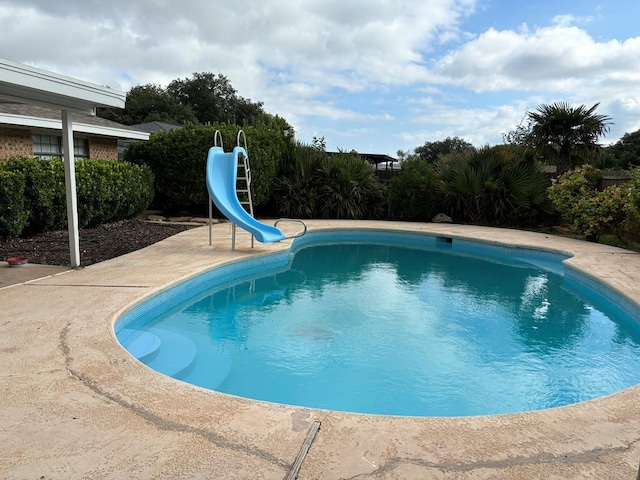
74, 404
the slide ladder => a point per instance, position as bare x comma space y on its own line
228, 181
243, 183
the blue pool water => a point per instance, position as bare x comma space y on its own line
398, 324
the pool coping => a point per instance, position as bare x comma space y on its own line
76, 405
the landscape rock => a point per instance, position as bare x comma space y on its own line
442, 218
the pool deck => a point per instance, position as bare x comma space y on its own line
74, 404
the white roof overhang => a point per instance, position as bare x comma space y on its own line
26, 84
34, 86
56, 124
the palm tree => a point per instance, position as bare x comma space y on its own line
565, 129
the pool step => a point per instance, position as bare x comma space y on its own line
175, 355
142, 345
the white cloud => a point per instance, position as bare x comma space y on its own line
559, 62
558, 58
478, 126
306, 59
568, 20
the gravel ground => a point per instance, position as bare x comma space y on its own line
96, 244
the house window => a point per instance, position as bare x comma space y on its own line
50, 146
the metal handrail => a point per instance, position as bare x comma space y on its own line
217, 135
241, 134
295, 221
246, 149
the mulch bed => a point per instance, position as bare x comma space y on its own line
96, 244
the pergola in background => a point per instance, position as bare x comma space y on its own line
25, 84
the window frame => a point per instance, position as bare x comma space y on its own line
54, 144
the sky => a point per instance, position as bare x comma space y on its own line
376, 76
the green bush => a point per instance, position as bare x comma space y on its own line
492, 185
412, 193
349, 188
13, 215
317, 185
633, 218
298, 190
106, 191
45, 194
178, 160
590, 212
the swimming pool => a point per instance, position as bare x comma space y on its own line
490, 346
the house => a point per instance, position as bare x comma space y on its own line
149, 127
27, 85
36, 131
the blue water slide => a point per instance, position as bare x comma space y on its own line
222, 172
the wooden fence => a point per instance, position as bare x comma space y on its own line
614, 177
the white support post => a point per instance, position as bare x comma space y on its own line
70, 184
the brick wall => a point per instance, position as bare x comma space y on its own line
103, 148
15, 142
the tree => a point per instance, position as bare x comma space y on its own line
562, 131
625, 153
432, 151
520, 136
205, 99
149, 103
214, 100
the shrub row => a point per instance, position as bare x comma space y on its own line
178, 160
33, 195
13, 216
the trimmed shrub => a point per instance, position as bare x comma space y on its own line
106, 191
412, 193
45, 194
13, 216
178, 160
109, 191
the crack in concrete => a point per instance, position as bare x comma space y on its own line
383, 470
155, 419
544, 458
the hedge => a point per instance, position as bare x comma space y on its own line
13, 216
44, 193
178, 159
107, 191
